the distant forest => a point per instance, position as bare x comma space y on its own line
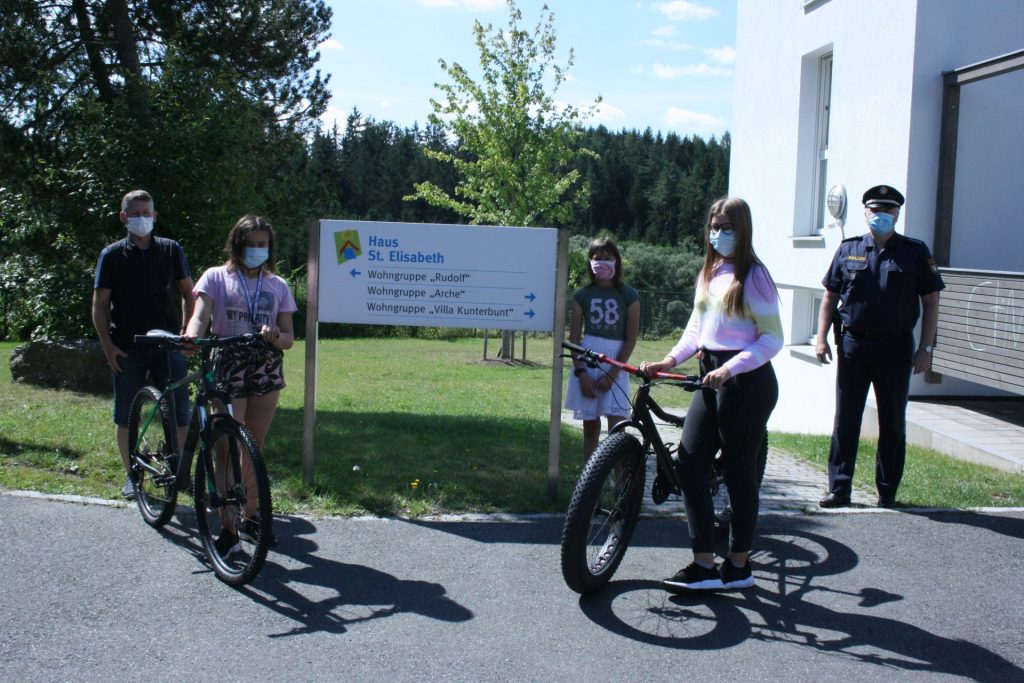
644, 186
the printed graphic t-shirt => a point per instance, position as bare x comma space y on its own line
231, 301
604, 309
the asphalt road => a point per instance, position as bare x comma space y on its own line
89, 592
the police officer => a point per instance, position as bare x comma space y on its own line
880, 282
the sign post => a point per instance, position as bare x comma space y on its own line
435, 276
557, 335
309, 395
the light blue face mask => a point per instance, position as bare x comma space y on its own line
254, 257
723, 242
881, 223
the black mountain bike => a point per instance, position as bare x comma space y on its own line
231, 490
605, 505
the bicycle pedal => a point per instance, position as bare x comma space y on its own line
661, 489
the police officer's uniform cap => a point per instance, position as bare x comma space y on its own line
883, 196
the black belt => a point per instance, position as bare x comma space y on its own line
875, 336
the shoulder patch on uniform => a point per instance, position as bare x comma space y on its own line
933, 265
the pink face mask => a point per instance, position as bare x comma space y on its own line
603, 270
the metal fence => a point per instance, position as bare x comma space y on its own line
662, 314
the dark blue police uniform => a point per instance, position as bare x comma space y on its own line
879, 292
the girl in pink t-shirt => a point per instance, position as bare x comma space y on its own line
242, 296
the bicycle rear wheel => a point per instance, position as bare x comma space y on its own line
152, 461
232, 498
603, 513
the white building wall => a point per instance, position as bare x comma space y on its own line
953, 34
884, 128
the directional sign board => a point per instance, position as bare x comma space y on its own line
437, 275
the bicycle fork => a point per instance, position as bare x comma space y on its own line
234, 493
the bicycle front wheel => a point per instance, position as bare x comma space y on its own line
603, 513
152, 461
232, 498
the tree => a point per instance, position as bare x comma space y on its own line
515, 145
203, 103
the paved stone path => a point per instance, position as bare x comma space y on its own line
790, 485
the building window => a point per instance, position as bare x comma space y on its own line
806, 304
810, 214
820, 186
812, 322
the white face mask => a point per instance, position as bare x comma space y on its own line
140, 225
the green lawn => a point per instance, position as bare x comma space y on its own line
930, 478
429, 424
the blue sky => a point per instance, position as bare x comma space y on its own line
666, 65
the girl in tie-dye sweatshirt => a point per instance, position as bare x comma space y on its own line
735, 325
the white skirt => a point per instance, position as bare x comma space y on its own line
613, 402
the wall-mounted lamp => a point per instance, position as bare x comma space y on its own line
836, 203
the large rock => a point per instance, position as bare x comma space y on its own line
78, 365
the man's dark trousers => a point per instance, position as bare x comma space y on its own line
886, 363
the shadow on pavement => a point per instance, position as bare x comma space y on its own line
999, 524
358, 593
545, 530
651, 532
776, 609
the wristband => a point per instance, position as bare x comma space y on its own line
578, 371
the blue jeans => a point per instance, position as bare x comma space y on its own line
163, 367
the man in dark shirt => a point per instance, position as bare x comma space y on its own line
882, 280
137, 287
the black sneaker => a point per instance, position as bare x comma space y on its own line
693, 577
128, 490
247, 532
735, 577
226, 544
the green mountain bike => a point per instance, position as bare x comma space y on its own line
230, 488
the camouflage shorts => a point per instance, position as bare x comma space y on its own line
252, 370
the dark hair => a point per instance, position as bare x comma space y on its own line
743, 258
136, 196
235, 247
604, 244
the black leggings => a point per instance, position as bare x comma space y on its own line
732, 420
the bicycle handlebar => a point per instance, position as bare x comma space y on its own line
591, 358
166, 339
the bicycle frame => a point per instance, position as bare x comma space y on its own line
644, 408
198, 423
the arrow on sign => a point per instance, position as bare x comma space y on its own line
531, 296
356, 272
529, 313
